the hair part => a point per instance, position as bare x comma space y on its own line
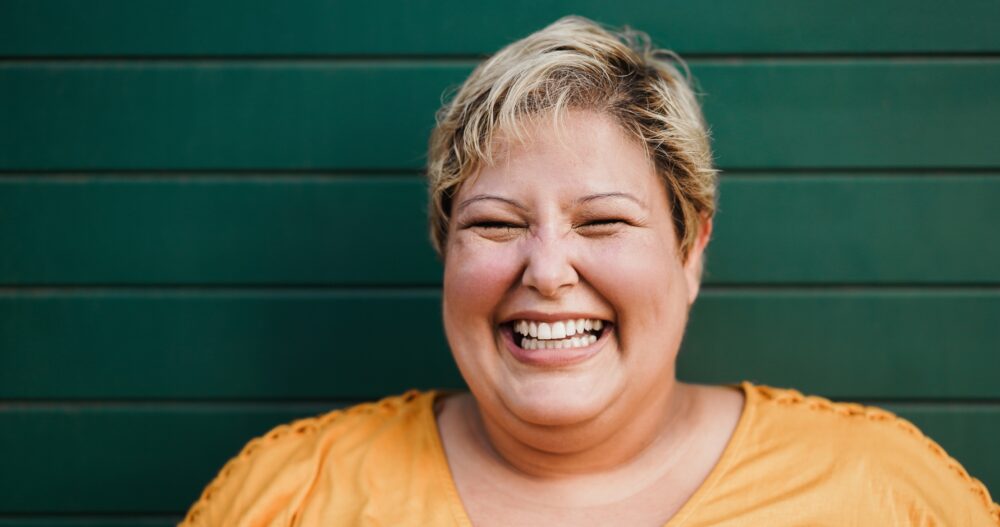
575, 64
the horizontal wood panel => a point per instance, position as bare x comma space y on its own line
354, 231
861, 229
360, 344
219, 115
849, 344
344, 115
188, 231
324, 27
852, 114
230, 345
134, 460
121, 460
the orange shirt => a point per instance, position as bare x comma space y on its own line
793, 460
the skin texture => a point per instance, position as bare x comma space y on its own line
575, 221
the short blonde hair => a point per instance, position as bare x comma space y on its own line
576, 64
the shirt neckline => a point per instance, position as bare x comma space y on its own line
729, 454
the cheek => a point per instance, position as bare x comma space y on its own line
636, 267
645, 283
476, 278
477, 274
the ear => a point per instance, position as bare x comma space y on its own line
696, 259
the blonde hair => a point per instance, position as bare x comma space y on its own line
576, 64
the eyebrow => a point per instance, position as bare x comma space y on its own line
484, 197
602, 195
580, 201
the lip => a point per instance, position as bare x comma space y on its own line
553, 358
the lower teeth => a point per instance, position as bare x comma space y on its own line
573, 342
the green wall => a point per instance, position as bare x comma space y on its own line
205, 205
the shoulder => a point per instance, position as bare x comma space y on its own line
271, 477
870, 451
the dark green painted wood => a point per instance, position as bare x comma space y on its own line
853, 114
354, 231
220, 115
122, 459
131, 459
367, 115
339, 344
865, 229
851, 343
208, 231
252, 344
324, 27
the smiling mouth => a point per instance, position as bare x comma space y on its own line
565, 334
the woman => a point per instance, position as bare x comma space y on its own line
573, 194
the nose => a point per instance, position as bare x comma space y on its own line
549, 268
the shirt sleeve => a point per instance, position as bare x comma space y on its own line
923, 486
264, 484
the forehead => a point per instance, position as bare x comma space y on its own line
582, 152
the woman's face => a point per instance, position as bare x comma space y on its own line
571, 226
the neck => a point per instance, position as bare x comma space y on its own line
642, 433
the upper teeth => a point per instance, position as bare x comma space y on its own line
556, 330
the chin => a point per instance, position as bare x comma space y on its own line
565, 400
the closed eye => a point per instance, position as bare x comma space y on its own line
602, 227
495, 225
496, 230
603, 222
609, 221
